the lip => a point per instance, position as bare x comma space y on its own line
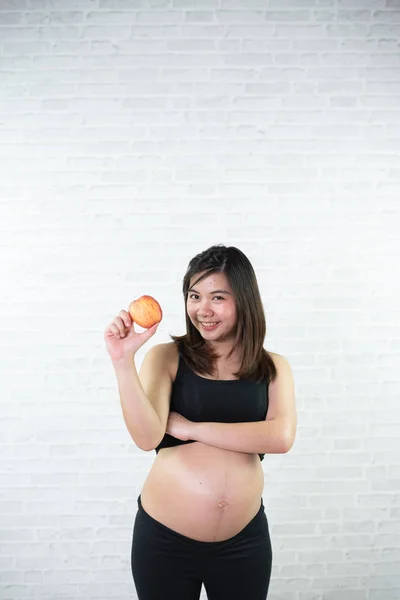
203, 326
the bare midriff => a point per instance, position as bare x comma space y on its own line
203, 492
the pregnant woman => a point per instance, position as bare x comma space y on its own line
211, 403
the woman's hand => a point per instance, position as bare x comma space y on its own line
179, 427
122, 341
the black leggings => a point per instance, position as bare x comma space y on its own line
169, 566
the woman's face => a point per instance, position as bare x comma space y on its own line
211, 307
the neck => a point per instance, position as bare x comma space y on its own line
223, 349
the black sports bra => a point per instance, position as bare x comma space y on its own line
214, 400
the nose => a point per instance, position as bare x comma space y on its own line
205, 308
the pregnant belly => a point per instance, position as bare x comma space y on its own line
205, 493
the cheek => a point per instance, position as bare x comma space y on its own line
233, 313
189, 311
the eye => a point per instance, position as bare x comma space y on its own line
219, 297
191, 296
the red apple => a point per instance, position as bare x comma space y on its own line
145, 311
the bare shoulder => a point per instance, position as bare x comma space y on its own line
168, 352
275, 357
170, 349
280, 362
281, 390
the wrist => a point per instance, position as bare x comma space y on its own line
124, 362
193, 429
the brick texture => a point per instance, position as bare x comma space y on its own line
133, 135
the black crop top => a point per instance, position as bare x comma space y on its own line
214, 400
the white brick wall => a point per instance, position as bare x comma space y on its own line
134, 134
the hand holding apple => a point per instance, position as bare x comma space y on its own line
122, 340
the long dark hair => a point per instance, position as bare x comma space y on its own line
256, 363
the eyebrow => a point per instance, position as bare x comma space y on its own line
214, 292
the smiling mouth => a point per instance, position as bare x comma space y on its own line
209, 325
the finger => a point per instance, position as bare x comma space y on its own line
114, 329
150, 331
120, 324
125, 316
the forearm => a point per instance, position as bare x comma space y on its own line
260, 437
140, 418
